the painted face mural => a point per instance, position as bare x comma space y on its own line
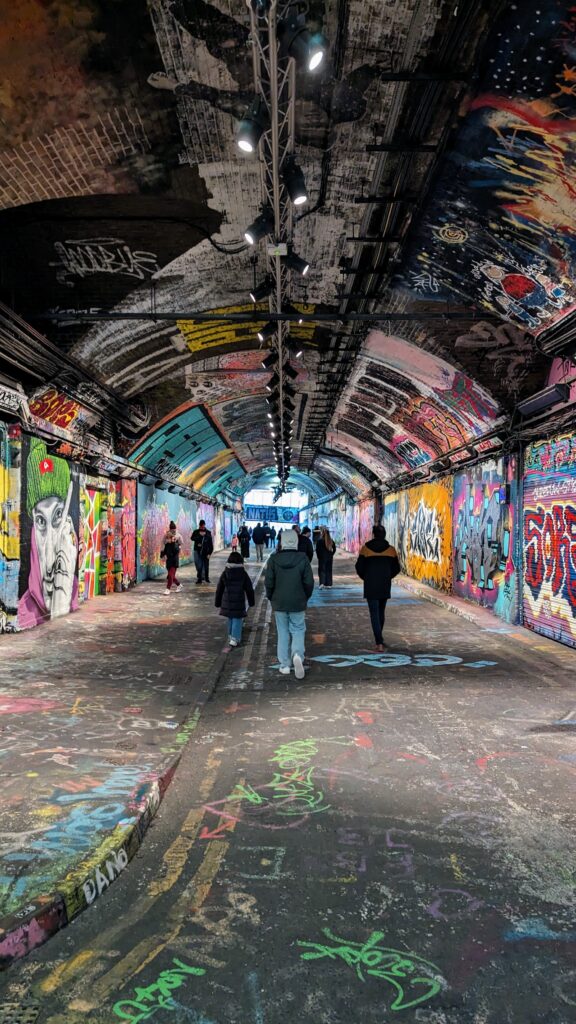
51, 501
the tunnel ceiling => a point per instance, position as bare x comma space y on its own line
122, 192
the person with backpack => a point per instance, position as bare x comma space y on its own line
289, 587
377, 565
325, 549
259, 538
203, 548
171, 544
233, 591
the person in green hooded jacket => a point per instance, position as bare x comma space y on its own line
289, 586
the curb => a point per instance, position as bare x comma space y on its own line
24, 931
442, 602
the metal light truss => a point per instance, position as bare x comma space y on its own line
275, 84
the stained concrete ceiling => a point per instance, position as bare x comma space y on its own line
449, 193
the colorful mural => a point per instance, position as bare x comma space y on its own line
419, 525
484, 524
366, 520
48, 583
155, 510
549, 538
90, 541
9, 528
126, 493
499, 231
407, 406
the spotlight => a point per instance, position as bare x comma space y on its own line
272, 383
289, 371
295, 349
296, 263
269, 415
296, 42
294, 181
267, 331
261, 290
252, 126
262, 226
269, 361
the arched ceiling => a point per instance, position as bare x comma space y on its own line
439, 150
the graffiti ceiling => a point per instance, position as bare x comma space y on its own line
122, 193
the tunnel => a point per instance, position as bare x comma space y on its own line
287, 511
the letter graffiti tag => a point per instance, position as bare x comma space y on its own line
550, 551
425, 538
376, 961
83, 257
157, 996
295, 778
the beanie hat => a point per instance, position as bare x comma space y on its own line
46, 475
289, 540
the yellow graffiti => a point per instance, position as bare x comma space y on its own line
222, 334
9, 519
199, 477
429, 526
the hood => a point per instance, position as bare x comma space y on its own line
231, 566
378, 545
289, 540
289, 559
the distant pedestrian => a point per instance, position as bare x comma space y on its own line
203, 548
267, 533
259, 538
377, 565
233, 591
279, 539
304, 541
234, 542
244, 538
316, 534
171, 544
273, 537
325, 549
289, 586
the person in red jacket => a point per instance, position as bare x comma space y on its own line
377, 565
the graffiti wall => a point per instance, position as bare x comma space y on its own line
419, 525
155, 510
549, 538
10, 449
331, 514
49, 525
90, 540
484, 514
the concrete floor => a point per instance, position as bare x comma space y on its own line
392, 838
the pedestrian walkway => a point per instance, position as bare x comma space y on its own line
391, 838
95, 709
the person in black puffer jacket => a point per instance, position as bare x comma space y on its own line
233, 590
377, 565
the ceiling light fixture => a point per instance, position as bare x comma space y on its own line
289, 371
267, 331
294, 262
252, 126
269, 361
296, 42
294, 181
262, 226
272, 383
262, 290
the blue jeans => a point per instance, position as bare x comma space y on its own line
202, 565
291, 630
235, 628
377, 611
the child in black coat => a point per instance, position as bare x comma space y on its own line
234, 588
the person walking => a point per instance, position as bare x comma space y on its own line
304, 541
234, 542
244, 538
203, 548
279, 539
289, 586
273, 537
171, 544
233, 591
267, 533
377, 565
325, 549
259, 538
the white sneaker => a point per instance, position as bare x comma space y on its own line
178, 588
298, 666
285, 671
233, 642
166, 593
321, 587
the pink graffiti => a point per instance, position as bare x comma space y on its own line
24, 705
